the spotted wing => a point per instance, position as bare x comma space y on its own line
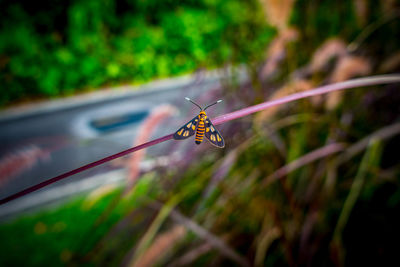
187, 130
213, 135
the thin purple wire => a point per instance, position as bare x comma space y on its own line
369, 81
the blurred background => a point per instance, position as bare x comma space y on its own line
315, 182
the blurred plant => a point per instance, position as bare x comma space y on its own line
346, 68
278, 12
96, 195
20, 161
361, 10
160, 247
330, 50
149, 125
52, 50
291, 88
391, 63
302, 185
370, 159
277, 51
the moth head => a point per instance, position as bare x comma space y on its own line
203, 115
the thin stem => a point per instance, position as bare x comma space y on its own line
371, 155
358, 147
371, 28
203, 233
302, 161
83, 168
368, 81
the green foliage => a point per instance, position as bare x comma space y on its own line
52, 236
66, 233
54, 51
320, 20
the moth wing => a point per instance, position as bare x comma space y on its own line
213, 135
187, 130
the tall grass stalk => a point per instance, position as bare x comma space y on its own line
371, 155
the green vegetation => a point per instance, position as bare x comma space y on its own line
71, 226
69, 232
58, 48
332, 20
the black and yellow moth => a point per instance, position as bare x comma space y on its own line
202, 126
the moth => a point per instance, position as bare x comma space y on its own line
202, 126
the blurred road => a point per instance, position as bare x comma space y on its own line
43, 141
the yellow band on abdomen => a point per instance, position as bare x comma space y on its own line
200, 131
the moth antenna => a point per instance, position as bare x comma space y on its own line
213, 104
188, 99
